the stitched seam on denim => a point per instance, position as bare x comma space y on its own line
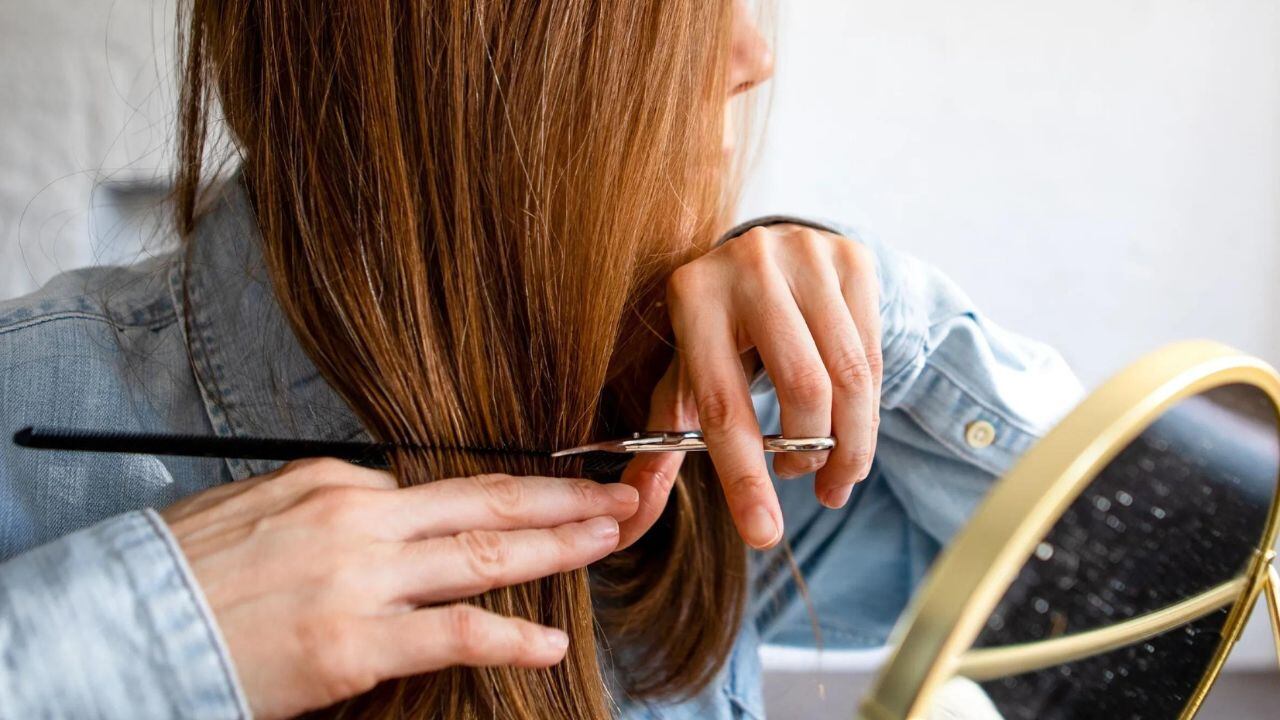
1003, 417
743, 706
890, 381
75, 315
973, 397
229, 688
952, 445
177, 284
199, 342
200, 370
955, 447
197, 346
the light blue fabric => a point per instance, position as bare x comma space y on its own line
101, 617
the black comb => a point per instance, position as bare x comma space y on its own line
599, 465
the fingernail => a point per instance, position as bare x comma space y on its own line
836, 498
556, 638
761, 529
602, 527
622, 493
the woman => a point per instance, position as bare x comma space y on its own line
481, 225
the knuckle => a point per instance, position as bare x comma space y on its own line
486, 556
684, 282
850, 370
335, 650
663, 479
858, 457
465, 629
585, 493
335, 506
756, 237
743, 484
754, 251
801, 463
812, 243
717, 409
504, 494
314, 469
567, 539
851, 253
875, 358
807, 386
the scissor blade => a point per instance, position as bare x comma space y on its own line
604, 446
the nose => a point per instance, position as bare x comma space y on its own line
750, 58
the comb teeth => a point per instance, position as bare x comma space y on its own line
600, 465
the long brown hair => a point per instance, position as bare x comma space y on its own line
468, 209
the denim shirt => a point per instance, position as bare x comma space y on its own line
100, 616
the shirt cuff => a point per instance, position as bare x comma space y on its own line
109, 622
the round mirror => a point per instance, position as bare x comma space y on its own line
1117, 593
1177, 514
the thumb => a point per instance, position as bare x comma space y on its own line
671, 407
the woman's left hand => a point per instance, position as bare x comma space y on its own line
807, 303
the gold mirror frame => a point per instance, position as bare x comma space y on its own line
933, 638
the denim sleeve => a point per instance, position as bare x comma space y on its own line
962, 400
108, 622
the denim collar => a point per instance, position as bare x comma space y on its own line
254, 377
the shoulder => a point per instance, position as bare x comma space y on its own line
99, 348
93, 312
129, 296
85, 340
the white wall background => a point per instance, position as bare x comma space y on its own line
1100, 174
85, 103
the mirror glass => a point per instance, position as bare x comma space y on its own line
1179, 511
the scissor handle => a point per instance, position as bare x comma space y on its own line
693, 441
778, 443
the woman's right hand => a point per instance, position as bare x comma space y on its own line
326, 578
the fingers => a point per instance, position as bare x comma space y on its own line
845, 363
500, 502
653, 474
459, 566
786, 345
834, 288
431, 639
861, 290
724, 407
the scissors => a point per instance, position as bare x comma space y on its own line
691, 440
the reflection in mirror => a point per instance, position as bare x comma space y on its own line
962, 699
1178, 512
1152, 678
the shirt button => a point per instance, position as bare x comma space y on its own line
979, 434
